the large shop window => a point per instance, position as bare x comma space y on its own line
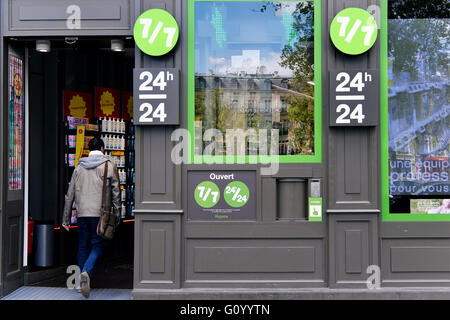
254, 84
415, 110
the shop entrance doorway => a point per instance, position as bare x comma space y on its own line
73, 83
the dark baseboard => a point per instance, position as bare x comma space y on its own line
35, 276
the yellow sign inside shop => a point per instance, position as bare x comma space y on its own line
80, 144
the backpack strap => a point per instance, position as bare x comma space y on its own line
105, 175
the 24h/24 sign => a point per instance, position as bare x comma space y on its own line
354, 97
156, 96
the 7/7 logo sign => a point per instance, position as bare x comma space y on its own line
156, 96
353, 31
156, 32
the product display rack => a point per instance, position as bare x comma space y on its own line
70, 130
119, 146
118, 136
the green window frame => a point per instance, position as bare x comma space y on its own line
199, 159
384, 128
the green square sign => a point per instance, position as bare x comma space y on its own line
315, 209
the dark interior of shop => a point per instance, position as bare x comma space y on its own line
78, 65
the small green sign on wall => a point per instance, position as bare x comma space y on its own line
315, 209
353, 31
156, 32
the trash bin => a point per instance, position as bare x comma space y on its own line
44, 238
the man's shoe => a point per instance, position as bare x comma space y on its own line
85, 285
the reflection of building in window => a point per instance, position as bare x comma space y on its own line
267, 105
247, 101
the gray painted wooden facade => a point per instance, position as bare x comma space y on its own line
173, 252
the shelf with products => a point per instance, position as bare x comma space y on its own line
71, 125
118, 136
70, 139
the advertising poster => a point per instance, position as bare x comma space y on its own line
107, 103
79, 144
418, 115
430, 206
77, 104
222, 195
127, 105
16, 117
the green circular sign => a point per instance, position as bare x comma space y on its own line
236, 194
156, 32
207, 194
353, 31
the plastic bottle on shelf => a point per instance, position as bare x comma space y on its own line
122, 125
123, 211
124, 194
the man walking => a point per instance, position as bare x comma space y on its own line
86, 188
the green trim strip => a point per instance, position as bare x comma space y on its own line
317, 157
384, 127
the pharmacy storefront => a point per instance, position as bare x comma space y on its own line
260, 144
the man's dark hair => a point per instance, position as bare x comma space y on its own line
96, 144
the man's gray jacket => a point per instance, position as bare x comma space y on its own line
86, 188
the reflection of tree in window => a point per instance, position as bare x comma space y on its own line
300, 59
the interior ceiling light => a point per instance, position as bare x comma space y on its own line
117, 45
43, 46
